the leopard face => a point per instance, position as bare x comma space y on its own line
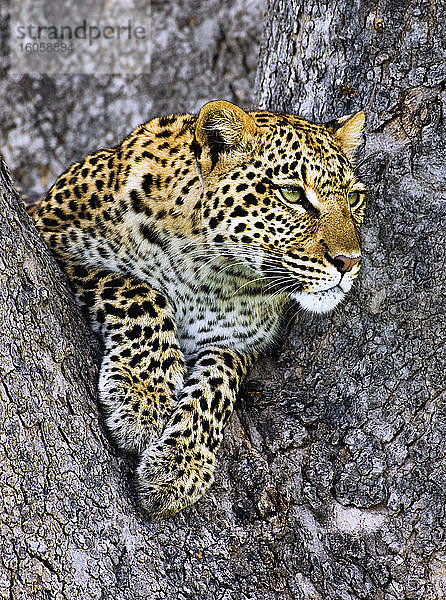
281, 195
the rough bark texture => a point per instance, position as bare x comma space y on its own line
332, 474
366, 384
202, 50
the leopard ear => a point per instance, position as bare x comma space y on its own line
223, 131
347, 131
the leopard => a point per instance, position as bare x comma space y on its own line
184, 245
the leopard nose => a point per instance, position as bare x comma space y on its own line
345, 263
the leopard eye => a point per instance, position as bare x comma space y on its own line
355, 198
292, 195
298, 198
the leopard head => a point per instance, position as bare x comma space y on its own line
280, 196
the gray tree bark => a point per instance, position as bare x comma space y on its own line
367, 384
332, 473
201, 50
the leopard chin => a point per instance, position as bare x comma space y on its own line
323, 301
320, 302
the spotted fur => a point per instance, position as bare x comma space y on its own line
183, 244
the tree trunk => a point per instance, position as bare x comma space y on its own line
332, 472
200, 50
366, 384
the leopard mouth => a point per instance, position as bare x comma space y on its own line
324, 299
331, 290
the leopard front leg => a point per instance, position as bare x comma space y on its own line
178, 467
143, 366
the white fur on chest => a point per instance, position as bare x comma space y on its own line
215, 302
240, 323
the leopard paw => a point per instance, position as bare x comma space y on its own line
172, 476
